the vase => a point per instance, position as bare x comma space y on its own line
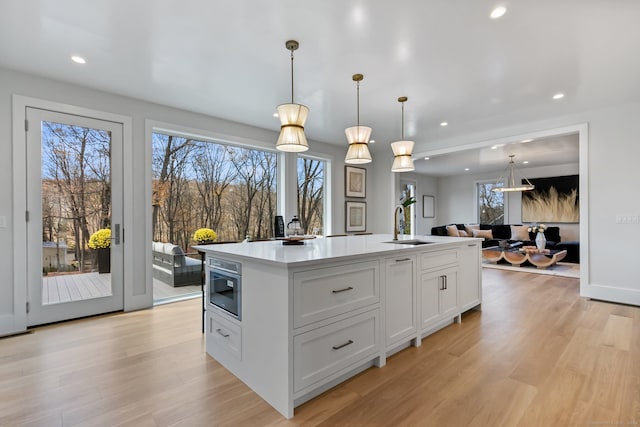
541, 241
104, 260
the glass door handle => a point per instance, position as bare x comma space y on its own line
116, 234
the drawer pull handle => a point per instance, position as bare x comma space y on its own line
337, 291
338, 347
472, 246
221, 332
403, 259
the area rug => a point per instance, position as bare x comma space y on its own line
564, 269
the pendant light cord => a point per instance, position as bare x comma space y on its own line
292, 76
358, 107
402, 126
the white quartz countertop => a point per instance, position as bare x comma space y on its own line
322, 249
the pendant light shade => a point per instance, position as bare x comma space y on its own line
402, 161
292, 117
292, 137
509, 184
358, 136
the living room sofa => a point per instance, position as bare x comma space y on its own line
172, 266
498, 232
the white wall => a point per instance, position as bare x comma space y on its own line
458, 203
35, 87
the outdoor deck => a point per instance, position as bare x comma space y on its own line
76, 287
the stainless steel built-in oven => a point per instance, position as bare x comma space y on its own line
225, 285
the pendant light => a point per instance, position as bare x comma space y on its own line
358, 136
402, 161
292, 118
510, 184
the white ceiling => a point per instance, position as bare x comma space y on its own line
227, 58
556, 150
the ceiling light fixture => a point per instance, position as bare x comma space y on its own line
292, 118
427, 158
402, 161
558, 96
443, 124
498, 12
372, 141
358, 136
509, 184
78, 59
524, 141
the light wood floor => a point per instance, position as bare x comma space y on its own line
537, 355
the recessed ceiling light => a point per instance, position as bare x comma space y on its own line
558, 96
275, 115
498, 12
444, 124
493, 147
78, 59
426, 158
526, 162
524, 141
466, 169
372, 141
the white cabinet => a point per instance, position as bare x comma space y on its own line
469, 280
322, 353
325, 292
438, 295
400, 299
336, 321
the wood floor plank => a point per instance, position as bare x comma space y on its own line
535, 355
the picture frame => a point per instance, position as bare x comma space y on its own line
355, 182
428, 206
355, 216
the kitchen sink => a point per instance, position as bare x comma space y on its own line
413, 242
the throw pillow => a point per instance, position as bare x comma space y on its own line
470, 227
463, 233
452, 231
519, 232
487, 234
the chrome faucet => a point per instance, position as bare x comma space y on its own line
395, 222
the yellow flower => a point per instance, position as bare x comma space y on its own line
203, 235
100, 239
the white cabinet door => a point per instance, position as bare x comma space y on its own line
430, 284
438, 295
400, 291
470, 279
449, 293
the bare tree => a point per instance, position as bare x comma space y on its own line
310, 193
214, 173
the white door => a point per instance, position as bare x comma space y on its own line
74, 191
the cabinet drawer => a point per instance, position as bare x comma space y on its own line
323, 293
225, 334
436, 259
319, 353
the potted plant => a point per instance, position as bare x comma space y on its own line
101, 242
204, 236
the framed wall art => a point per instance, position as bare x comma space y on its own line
356, 216
355, 180
428, 206
554, 199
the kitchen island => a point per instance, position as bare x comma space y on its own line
316, 314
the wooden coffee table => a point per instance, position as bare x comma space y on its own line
516, 257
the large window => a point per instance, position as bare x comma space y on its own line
491, 207
311, 194
196, 184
